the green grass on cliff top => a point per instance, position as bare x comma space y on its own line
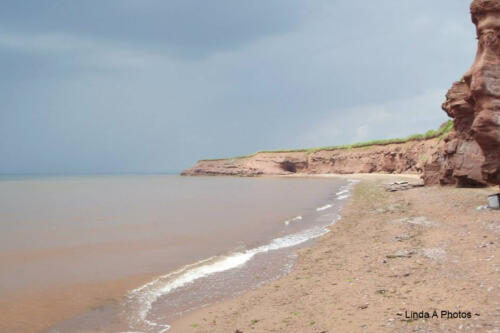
444, 129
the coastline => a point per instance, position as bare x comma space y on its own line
224, 276
113, 302
391, 255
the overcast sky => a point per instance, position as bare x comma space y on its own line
101, 86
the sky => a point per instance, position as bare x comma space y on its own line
146, 86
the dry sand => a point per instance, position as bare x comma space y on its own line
423, 249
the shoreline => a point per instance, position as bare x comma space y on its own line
360, 176
391, 254
236, 272
101, 306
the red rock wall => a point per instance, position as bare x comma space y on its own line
458, 159
471, 154
393, 158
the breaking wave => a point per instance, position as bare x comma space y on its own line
296, 218
140, 300
319, 209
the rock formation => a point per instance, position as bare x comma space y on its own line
483, 80
405, 157
470, 155
458, 159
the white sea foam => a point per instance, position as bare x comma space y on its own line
140, 300
296, 218
319, 209
345, 190
344, 193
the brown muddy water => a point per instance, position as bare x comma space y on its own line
131, 253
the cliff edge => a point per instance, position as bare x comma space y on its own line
405, 157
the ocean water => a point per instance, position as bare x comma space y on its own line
132, 253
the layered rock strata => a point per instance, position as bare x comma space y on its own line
471, 153
392, 158
458, 158
483, 79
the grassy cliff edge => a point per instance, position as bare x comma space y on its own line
442, 131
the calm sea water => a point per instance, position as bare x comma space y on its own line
193, 240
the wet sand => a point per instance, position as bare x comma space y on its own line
391, 255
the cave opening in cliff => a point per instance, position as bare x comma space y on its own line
288, 166
465, 181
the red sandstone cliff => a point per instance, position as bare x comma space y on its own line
458, 159
471, 153
406, 157
483, 79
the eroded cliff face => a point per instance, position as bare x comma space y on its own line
484, 81
392, 158
471, 153
458, 159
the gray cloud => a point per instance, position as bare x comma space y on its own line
147, 86
190, 27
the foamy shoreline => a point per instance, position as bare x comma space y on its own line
344, 192
141, 300
342, 281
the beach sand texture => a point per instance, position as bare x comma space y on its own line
424, 249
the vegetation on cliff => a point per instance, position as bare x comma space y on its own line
443, 130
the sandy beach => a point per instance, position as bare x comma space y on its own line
250, 166
393, 257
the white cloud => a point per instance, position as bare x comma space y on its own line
362, 132
396, 118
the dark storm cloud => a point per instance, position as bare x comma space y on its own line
191, 27
116, 86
